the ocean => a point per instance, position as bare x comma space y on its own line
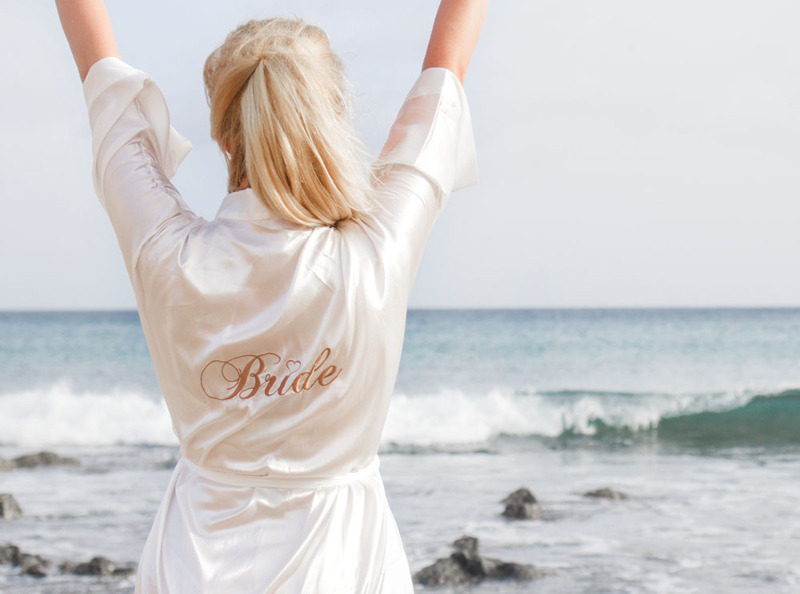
693, 413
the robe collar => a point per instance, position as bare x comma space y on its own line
244, 205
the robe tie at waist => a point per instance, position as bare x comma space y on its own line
283, 482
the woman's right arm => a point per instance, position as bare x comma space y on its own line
88, 30
455, 34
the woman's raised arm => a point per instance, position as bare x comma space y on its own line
455, 34
88, 30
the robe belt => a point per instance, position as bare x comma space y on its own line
283, 482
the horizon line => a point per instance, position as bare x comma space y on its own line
487, 308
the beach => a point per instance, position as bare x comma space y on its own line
691, 413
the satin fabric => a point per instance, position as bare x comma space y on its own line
276, 346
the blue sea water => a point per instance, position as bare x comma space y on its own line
695, 413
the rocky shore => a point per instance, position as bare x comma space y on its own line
466, 566
37, 460
38, 566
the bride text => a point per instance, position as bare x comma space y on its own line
247, 375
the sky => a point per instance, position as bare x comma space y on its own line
631, 154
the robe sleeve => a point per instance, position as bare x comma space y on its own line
135, 153
429, 153
433, 133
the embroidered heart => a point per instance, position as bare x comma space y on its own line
292, 366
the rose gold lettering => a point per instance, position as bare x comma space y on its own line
225, 364
270, 381
296, 383
244, 376
317, 364
229, 374
328, 370
281, 391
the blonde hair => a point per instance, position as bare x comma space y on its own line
280, 100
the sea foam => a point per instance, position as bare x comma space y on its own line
452, 417
449, 417
58, 415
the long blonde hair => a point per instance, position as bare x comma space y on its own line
281, 102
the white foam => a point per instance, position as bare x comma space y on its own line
451, 417
59, 416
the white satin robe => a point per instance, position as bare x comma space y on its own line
276, 347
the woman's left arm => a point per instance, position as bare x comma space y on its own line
89, 33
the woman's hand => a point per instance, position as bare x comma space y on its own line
455, 34
88, 30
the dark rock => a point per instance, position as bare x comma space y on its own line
34, 570
489, 566
471, 566
521, 495
522, 505
495, 569
606, 493
503, 570
9, 555
98, 566
443, 571
33, 565
9, 508
467, 557
43, 459
467, 545
466, 566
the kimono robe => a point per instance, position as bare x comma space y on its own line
276, 346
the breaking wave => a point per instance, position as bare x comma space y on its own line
445, 419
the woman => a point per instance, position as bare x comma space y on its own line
276, 328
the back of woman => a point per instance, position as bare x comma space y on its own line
276, 328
